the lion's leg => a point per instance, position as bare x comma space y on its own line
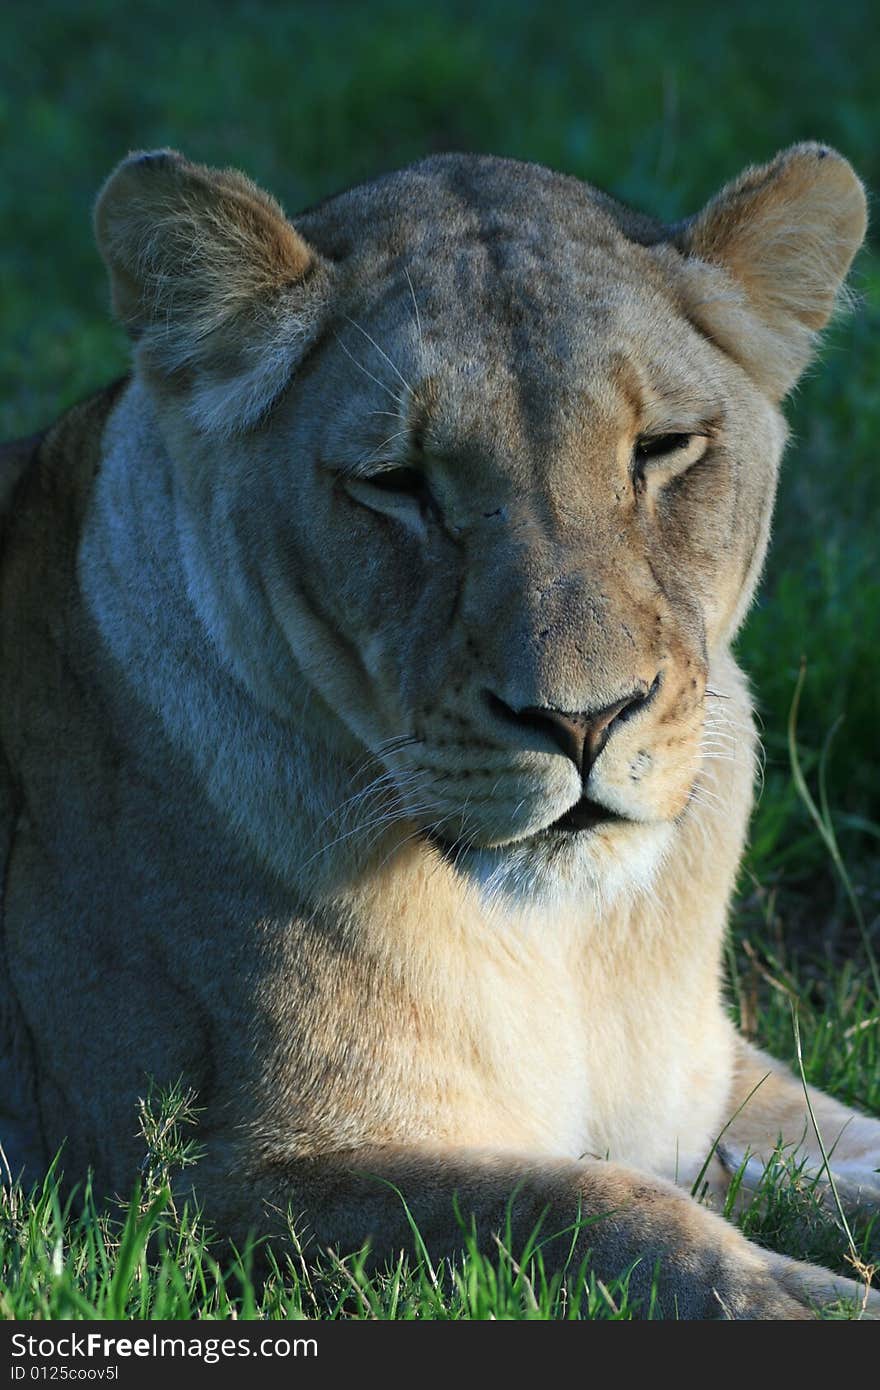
707, 1268
772, 1108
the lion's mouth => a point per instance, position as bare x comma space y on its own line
585, 815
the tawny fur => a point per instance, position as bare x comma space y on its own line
265, 825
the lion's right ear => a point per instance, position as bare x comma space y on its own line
219, 291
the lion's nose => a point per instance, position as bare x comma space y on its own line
580, 735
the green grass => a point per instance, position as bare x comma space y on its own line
149, 1258
658, 104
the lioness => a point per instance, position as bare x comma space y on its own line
375, 756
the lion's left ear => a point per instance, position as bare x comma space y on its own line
784, 235
218, 290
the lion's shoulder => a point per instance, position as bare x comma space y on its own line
57, 459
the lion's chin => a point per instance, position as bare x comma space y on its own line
590, 852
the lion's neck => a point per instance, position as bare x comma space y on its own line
267, 780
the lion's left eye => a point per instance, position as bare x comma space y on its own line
662, 457
650, 446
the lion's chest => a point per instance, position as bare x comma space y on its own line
546, 1049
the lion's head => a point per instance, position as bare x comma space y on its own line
489, 461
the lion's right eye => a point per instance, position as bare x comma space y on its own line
408, 481
401, 493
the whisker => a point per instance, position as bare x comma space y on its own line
702, 795
415, 306
430, 829
408, 816
378, 823
737, 731
518, 807
392, 745
360, 366
385, 781
376, 453
382, 353
401, 739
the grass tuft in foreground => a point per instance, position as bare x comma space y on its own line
152, 1257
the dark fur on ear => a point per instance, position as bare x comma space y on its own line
218, 290
783, 235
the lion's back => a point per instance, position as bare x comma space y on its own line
44, 483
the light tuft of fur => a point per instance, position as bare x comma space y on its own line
784, 235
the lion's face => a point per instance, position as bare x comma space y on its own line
519, 481
515, 496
